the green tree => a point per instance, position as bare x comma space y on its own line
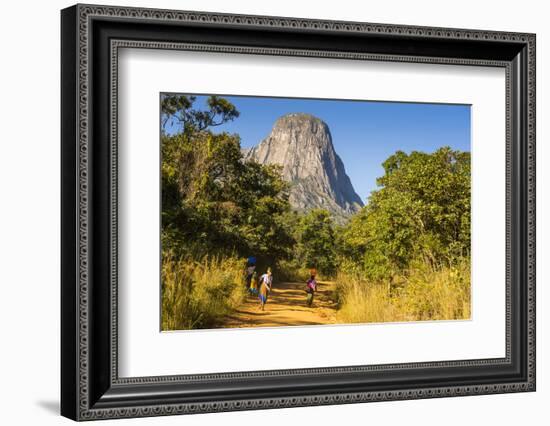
178, 111
212, 200
421, 211
316, 248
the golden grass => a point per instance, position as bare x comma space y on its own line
423, 294
198, 294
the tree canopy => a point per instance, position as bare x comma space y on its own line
421, 211
178, 110
212, 200
316, 248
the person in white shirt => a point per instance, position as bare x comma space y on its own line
266, 281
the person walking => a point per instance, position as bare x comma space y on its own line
249, 271
311, 288
253, 289
266, 281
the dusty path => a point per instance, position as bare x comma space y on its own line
286, 305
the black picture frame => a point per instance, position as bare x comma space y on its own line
90, 386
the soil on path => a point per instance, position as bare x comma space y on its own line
286, 305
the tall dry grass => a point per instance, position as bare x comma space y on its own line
422, 294
198, 294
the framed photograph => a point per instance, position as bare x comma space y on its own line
263, 212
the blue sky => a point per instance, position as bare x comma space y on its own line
364, 133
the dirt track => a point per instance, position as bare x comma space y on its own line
286, 305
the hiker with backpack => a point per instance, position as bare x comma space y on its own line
266, 281
311, 288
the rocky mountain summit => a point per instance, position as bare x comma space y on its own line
302, 145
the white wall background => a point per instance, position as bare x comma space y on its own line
29, 211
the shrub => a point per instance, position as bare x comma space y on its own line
291, 270
362, 302
442, 294
198, 294
423, 293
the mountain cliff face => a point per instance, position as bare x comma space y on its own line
302, 144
